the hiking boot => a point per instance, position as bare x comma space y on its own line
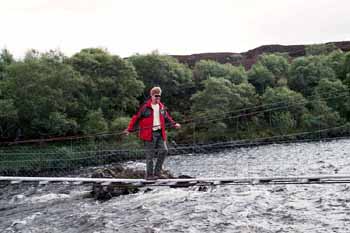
151, 177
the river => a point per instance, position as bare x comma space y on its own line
229, 208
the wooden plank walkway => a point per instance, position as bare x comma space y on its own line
321, 179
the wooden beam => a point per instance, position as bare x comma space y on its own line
185, 182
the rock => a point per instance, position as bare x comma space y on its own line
277, 189
184, 177
106, 192
147, 190
203, 188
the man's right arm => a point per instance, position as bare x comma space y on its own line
135, 118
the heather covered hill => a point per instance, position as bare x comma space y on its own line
247, 59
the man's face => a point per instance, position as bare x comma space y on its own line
155, 98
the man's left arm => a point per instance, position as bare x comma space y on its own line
170, 120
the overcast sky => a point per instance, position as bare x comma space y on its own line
126, 27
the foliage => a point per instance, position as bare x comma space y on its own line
44, 91
346, 69
109, 82
205, 69
214, 98
335, 94
306, 72
320, 117
271, 70
95, 122
213, 107
288, 106
48, 94
8, 118
174, 78
261, 78
319, 49
277, 64
283, 121
119, 124
243, 96
336, 60
6, 59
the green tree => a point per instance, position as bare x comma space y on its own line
278, 65
95, 122
214, 106
261, 78
335, 94
320, 116
56, 123
119, 124
210, 105
283, 121
6, 59
8, 118
336, 60
110, 83
243, 96
306, 72
174, 78
319, 49
290, 106
205, 69
215, 98
346, 69
44, 91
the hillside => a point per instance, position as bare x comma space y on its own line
247, 59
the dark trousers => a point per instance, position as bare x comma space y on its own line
157, 148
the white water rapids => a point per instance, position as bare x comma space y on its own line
263, 208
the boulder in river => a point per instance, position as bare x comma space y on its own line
106, 192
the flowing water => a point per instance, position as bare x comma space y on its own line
230, 208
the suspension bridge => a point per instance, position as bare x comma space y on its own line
72, 157
187, 182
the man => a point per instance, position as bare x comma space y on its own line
151, 119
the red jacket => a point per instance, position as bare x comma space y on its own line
144, 119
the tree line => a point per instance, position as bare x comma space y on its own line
49, 94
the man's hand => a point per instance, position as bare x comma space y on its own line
126, 132
177, 126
